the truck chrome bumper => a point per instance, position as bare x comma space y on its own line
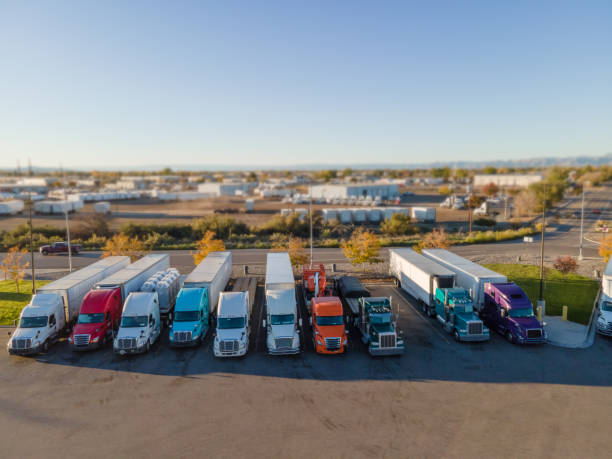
134, 350
29, 351
190, 343
238, 353
86, 347
607, 331
284, 351
475, 338
386, 351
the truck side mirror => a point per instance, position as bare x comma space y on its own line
263, 324
300, 321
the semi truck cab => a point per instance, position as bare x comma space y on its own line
377, 327
98, 319
281, 322
233, 325
455, 311
190, 320
40, 324
508, 310
329, 335
140, 324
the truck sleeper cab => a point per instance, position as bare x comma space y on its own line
140, 324
508, 310
455, 311
40, 324
328, 332
233, 325
98, 320
190, 320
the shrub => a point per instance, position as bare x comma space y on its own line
565, 265
484, 221
223, 226
398, 225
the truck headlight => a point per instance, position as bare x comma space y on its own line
70, 339
96, 339
319, 342
601, 320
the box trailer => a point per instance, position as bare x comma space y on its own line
213, 273
419, 275
423, 214
11, 207
468, 275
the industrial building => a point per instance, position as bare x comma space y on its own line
226, 188
507, 180
382, 190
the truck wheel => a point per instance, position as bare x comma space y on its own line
424, 309
45, 346
509, 337
148, 345
45, 253
456, 335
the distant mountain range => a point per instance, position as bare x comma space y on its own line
575, 161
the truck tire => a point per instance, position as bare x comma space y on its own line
45, 253
45, 346
148, 345
456, 335
509, 337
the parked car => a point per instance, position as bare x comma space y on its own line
60, 247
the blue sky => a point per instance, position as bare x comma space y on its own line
115, 84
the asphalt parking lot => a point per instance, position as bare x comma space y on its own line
441, 398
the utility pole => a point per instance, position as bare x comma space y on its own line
541, 295
310, 212
67, 224
29, 203
581, 224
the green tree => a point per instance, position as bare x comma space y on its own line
398, 225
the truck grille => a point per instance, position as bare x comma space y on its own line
81, 340
23, 343
534, 333
127, 343
229, 346
332, 344
387, 340
475, 328
283, 343
182, 336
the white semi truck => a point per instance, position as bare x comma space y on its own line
55, 306
281, 322
233, 324
468, 275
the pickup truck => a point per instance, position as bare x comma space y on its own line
60, 247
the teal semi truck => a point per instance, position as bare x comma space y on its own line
455, 311
196, 304
433, 287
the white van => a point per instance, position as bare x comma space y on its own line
39, 325
233, 325
140, 324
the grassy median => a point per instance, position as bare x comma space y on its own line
11, 302
574, 291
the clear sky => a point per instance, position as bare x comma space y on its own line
129, 83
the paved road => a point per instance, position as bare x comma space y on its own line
441, 398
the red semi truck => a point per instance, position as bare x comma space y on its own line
100, 312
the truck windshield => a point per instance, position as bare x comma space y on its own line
380, 318
133, 321
186, 316
524, 312
224, 323
97, 318
281, 319
33, 322
329, 320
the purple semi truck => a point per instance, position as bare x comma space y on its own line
509, 311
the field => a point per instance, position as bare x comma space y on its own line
11, 302
576, 292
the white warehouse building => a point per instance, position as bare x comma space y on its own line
507, 180
356, 190
226, 188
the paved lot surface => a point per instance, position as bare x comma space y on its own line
441, 398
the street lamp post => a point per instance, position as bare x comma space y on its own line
581, 224
541, 302
310, 212
30, 204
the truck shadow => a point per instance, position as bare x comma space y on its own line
431, 355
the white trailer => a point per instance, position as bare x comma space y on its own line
213, 273
11, 207
418, 275
281, 320
133, 276
423, 214
468, 275
102, 207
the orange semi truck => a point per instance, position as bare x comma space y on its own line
329, 335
